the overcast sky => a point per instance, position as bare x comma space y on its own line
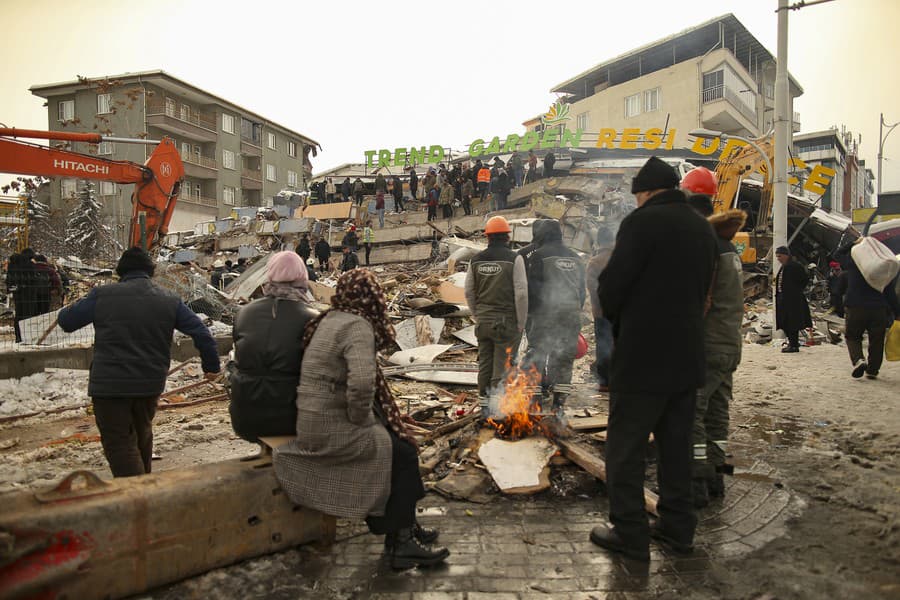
357, 76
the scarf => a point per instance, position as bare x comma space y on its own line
359, 293
284, 290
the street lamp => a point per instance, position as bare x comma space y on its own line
881, 141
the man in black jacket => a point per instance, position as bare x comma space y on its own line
350, 260
556, 293
663, 249
791, 308
323, 253
133, 324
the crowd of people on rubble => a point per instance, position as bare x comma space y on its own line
36, 285
439, 187
315, 376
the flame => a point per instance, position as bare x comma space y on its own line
517, 402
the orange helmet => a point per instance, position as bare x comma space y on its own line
700, 181
497, 225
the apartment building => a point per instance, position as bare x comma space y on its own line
716, 75
829, 148
232, 156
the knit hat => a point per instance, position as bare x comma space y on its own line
656, 174
287, 267
135, 259
783, 250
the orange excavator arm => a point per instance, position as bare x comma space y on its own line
157, 182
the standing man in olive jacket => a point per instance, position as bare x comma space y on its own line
663, 248
133, 324
268, 350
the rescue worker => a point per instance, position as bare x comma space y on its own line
603, 338
527, 252
323, 253
215, 276
350, 260
497, 294
658, 360
303, 248
556, 293
722, 341
484, 181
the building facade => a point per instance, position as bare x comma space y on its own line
232, 156
853, 184
715, 76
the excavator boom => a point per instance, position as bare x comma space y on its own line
157, 182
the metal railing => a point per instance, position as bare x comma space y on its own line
177, 111
202, 161
198, 200
719, 92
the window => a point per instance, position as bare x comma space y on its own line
581, 121
227, 123
106, 148
107, 188
713, 79
769, 91
228, 159
185, 151
185, 112
270, 172
186, 189
292, 149
272, 141
632, 105
228, 194
68, 188
66, 110
292, 178
651, 100
198, 191
104, 104
170, 107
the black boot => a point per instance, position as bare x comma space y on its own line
700, 492
425, 535
408, 552
716, 486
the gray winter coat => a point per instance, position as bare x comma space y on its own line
340, 461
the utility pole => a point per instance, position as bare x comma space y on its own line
882, 138
783, 139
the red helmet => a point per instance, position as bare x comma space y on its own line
700, 181
582, 347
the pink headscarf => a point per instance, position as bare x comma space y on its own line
287, 267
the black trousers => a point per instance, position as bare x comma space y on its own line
793, 337
406, 490
126, 433
432, 213
873, 321
552, 345
633, 417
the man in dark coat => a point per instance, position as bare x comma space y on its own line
413, 183
397, 190
658, 359
556, 294
25, 283
303, 248
346, 189
549, 161
791, 308
268, 350
350, 260
133, 324
323, 253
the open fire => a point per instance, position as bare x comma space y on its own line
519, 413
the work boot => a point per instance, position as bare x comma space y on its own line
609, 538
659, 533
408, 552
716, 486
700, 492
424, 535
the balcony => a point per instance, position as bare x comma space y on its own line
181, 120
201, 200
250, 147
251, 179
724, 110
196, 166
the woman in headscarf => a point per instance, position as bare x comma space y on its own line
353, 456
268, 349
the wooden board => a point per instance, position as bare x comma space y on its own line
588, 423
585, 458
336, 210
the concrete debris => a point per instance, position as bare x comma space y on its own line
517, 467
409, 332
421, 354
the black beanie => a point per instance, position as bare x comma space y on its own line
783, 250
702, 203
135, 259
656, 174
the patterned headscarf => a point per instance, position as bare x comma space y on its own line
359, 293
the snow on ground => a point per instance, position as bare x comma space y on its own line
59, 388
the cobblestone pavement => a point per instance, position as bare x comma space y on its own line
522, 548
